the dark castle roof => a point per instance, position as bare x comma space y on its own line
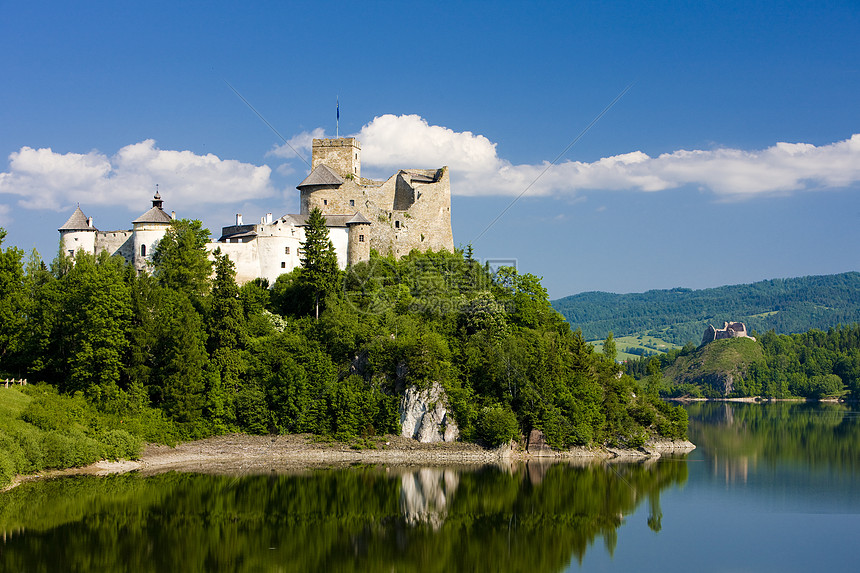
322, 175
77, 222
358, 219
154, 215
330, 220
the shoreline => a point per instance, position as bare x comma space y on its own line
759, 400
247, 454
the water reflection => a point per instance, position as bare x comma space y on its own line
424, 495
738, 438
534, 517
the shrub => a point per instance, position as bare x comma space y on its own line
120, 444
497, 425
7, 468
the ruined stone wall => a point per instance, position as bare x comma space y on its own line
729, 330
410, 210
423, 222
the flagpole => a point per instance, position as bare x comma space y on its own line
337, 125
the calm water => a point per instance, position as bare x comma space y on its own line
770, 488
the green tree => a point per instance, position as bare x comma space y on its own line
179, 361
319, 261
609, 347
227, 341
655, 377
180, 260
96, 320
12, 300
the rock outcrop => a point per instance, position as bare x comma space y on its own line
424, 415
537, 445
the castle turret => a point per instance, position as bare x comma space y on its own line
149, 228
321, 189
78, 234
358, 245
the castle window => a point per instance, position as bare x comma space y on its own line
355, 169
143, 250
396, 224
325, 201
361, 238
352, 202
283, 265
71, 252
286, 250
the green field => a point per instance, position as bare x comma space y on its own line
636, 345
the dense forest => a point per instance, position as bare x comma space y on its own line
814, 364
681, 315
183, 352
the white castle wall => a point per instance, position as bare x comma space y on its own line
74, 241
146, 235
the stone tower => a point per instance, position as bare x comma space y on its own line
358, 245
342, 155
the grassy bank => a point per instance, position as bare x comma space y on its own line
41, 429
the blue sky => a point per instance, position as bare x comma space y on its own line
731, 158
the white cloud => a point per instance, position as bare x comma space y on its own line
4, 214
409, 141
48, 180
302, 142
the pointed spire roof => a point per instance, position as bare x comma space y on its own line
321, 175
78, 222
358, 219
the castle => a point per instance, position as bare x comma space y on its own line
410, 210
729, 330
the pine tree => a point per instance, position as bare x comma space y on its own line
319, 261
180, 259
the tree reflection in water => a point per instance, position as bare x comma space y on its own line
737, 438
533, 517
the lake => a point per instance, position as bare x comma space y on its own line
770, 487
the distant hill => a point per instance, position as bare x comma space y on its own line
681, 315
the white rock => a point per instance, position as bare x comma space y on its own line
424, 415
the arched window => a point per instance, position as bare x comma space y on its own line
143, 250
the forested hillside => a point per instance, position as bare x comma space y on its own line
323, 351
681, 315
814, 364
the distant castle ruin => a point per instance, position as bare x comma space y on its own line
410, 210
729, 330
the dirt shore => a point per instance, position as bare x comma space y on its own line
245, 454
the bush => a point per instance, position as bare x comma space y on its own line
13, 454
120, 444
497, 425
49, 412
7, 468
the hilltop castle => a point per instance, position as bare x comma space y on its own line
729, 330
410, 210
